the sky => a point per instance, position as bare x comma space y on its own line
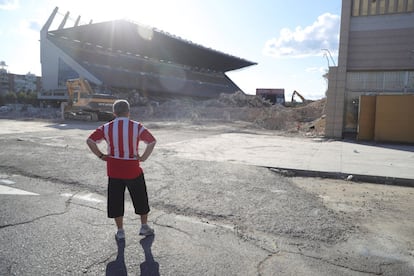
292, 42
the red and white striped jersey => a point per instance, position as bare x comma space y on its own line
122, 136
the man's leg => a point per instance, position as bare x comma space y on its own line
119, 221
145, 229
144, 219
116, 194
120, 234
138, 192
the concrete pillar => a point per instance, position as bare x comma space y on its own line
336, 95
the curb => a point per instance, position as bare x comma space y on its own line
405, 182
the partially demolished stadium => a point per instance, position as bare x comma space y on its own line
125, 56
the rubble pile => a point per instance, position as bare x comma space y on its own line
253, 109
311, 111
311, 117
29, 112
239, 99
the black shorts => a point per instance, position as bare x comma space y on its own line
116, 196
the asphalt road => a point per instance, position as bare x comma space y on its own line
210, 217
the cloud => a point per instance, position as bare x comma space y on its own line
9, 4
28, 28
35, 26
308, 41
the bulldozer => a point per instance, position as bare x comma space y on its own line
86, 105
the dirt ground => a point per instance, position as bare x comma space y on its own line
383, 219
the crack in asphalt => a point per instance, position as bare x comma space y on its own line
188, 234
104, 260
89, 207
271, 254
262, 262
187, 211
172, 227
67, 204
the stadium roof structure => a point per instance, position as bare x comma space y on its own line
122, 54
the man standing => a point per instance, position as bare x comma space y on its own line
122, 136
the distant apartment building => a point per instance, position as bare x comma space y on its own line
18, 83
376, 57
4, 82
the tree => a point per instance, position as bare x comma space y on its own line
11, 97
31, 98
21, 97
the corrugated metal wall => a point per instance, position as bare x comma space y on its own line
384, 49
385, 81
382, 42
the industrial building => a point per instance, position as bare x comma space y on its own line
125, 56
371, 91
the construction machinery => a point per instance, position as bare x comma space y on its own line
294, 103
296, 93
84, 104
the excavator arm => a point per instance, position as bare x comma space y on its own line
296, 93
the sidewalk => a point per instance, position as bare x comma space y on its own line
370, 162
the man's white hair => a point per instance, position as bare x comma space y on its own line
120, 107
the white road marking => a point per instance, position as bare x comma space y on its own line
89, 197
84, 196
5, 190
7, 182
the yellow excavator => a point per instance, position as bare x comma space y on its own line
294, 103
84, 104
296, 93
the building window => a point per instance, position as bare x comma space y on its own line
380, 7
391, 6
355, 7
381, 82
401, 6
364, 7
410, 6
372, 7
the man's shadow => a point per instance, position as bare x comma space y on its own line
149, 267
117, 267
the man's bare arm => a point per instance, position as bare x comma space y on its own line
94, 148
147, 152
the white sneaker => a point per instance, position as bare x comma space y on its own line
146, 230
